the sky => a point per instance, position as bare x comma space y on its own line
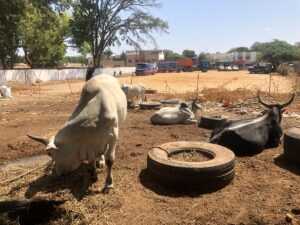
219, 25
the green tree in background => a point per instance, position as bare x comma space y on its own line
277, 52
105, 23
43, 36
171, 56
239, 49
11, 13
203, 56
189, 53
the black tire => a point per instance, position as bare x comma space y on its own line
291, 144
211, 122
150, 105
211, 174
170, 101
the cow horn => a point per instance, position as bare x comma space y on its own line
261, 101
42, 140
289, 102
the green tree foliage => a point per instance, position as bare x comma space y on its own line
105, 23
43, 35
171, 56
108, 53
277, 52
239, 49
203, 56
11, 13
189, 53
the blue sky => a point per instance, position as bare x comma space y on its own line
218, 25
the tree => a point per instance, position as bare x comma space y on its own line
239, 49
108, 53
171, 56
189, 53
105, 23
43, 36
203, 56
277, 52
11, 13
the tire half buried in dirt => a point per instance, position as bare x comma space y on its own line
292, 144
208, 175
150, 105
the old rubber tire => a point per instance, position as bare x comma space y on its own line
212, 174
291, 144
150, 105
170, 101
211, 122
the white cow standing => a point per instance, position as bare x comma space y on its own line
92, 130
182, 114
135, 93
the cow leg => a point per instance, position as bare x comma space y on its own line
92, 171
101, 162
109, 161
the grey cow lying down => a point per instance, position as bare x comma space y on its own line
92, 130
182, 114
251, 136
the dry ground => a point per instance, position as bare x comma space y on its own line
265, 188
187, 82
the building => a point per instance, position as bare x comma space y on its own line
238, 58
144, 56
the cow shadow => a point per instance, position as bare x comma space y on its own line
173, 190
78, 183
286, 164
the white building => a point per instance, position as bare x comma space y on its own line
238, 58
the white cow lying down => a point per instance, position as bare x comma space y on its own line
182, 114
135, 92
92, 130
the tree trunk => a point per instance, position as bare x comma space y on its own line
27, 59
4, 66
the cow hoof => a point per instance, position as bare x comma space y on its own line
107, 189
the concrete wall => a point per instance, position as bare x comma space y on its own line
32, 75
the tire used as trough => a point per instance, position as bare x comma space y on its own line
211, 122
150, 105
208, 175
170, 101
291, 144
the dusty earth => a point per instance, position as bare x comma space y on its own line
265, 188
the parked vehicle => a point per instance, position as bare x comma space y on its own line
262, 68
228, 68
235, 68
168, 66
145, 69
186, 64
203, 66
221, 68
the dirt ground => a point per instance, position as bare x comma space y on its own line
187, 82
264, 191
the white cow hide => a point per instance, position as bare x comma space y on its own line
181, 114
93, 128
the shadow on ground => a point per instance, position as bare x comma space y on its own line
286, 164
175, 190
77, 182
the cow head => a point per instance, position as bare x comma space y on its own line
49, 143
276, 109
